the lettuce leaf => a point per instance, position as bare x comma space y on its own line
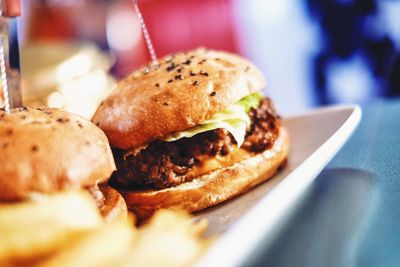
234, 119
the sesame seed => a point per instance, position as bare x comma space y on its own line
171, 67
170, 81
179, 77
195, 82
62, 120
213, 93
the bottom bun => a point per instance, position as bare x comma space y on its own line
114, 204
214, 187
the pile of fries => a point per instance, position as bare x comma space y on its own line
67, 230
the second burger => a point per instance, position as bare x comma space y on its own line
47, 151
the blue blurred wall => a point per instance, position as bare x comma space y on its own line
317, 52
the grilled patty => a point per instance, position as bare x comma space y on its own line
164, 164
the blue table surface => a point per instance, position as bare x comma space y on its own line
350, 216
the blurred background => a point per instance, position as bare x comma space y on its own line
313, 52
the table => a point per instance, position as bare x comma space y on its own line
350, 216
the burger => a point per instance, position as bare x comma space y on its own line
191, 132
49, 151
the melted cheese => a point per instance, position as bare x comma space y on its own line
211, 163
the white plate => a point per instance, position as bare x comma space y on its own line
244, 221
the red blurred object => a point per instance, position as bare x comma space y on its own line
179, 25
12, 8
65, 21
49, 23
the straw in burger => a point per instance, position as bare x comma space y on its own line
191, 132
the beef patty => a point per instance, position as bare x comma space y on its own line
164, 164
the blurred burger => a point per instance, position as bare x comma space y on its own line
47, 151
191, 132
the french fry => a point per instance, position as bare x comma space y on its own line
97, 248
169, 239
66, 230
33, 229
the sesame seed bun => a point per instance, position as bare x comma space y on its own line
184, 90
49, 150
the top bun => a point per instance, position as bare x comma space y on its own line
184, 90
48, 150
